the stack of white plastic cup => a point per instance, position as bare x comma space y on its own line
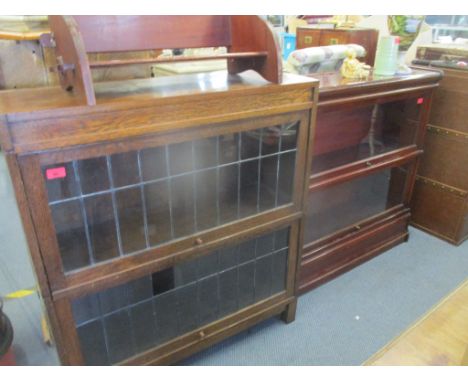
386, 58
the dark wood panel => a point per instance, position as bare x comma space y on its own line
127, 33
337, 257
440, 210
445, 157
174, 59
250, 33
437, 206
75, 36
353, 156
362, 168
449, 107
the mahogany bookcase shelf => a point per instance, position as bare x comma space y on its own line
367, 142
166, 215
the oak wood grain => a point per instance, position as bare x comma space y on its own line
439, 338
133, 115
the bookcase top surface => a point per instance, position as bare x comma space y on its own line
146, 90
332, 84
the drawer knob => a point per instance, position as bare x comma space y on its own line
368, 163
357, 226
198, 241
202, 334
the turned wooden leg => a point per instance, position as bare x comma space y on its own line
289, 314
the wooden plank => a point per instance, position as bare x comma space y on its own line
38, 103
252, 33
35, 253
363, 168
70, 51
59, 133
439, 338
173, 59
131, 33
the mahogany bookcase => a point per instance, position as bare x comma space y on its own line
368, 140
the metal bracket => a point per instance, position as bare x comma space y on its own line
47, 40
442, 186
447, 132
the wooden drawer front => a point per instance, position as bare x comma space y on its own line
347, 135
345, 204
445, 157
449, 108
107, 209
307, 38
121, 322
334, 38
441, 211
323, 263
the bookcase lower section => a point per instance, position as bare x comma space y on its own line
164, 316
323, 261
198, 340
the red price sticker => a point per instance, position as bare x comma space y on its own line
56, 173
420, 100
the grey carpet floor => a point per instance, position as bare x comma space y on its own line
342, 322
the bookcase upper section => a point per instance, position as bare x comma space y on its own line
250, 43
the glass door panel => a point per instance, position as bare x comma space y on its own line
122, 204
117, 323
345, 204
346, 136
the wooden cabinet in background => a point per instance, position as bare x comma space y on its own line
440, 200
307, 37
368, 139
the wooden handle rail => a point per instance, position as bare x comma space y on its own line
173, 59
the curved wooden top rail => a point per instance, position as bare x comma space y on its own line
250, 42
